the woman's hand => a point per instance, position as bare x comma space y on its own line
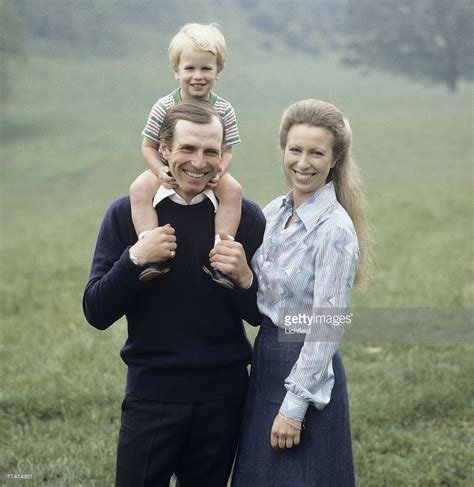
286, 433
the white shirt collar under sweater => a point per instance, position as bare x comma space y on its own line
163, 193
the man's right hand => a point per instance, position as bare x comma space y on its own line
157, 245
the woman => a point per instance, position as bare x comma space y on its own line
296, 429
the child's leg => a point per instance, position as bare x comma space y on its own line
142, 191
229, 194
144, 216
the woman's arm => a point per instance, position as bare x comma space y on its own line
311, 379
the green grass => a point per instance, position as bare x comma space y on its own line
70, 144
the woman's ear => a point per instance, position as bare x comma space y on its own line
331, 171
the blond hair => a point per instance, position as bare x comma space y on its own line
204, 37
345, 174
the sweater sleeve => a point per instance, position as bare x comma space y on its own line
245, 300
113, 282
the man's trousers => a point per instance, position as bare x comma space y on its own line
196, 441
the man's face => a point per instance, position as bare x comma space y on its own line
195, 156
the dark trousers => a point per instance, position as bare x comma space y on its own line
195, 441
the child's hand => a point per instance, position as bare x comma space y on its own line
166, 179
213, 182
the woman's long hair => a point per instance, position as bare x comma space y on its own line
345, 174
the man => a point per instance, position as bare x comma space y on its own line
186, 349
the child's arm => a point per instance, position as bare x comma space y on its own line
151, 155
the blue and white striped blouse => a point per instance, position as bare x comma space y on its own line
307, 266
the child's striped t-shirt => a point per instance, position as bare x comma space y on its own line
222, 107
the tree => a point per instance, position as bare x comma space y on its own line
11, 46
103, 27
88, 25
429, 40
307, 26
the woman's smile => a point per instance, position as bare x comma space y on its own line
303, 176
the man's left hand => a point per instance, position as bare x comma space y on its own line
229, 258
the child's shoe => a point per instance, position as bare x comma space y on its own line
218, 277
153, 271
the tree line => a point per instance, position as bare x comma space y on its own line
427, 40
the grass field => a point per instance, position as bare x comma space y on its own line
70, 145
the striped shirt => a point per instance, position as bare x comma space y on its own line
308, 266
222, 107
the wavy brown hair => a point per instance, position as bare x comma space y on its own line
196, 111
345, 174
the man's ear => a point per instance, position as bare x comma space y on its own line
164, 151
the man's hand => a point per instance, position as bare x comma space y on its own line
284, 435
165, 177
229, 258
156, 246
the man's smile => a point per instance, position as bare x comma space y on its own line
195, 175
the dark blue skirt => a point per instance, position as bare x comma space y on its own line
324, 457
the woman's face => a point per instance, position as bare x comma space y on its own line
307, 159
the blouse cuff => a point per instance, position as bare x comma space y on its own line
293, 407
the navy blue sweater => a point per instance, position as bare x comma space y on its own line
186, 340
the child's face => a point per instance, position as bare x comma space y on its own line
196, 72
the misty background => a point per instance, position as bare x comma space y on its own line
78, 79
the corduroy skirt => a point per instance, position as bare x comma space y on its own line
324, 456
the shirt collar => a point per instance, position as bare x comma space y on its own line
177, 97
311, 210
163, 193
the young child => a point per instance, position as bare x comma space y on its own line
197, 55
